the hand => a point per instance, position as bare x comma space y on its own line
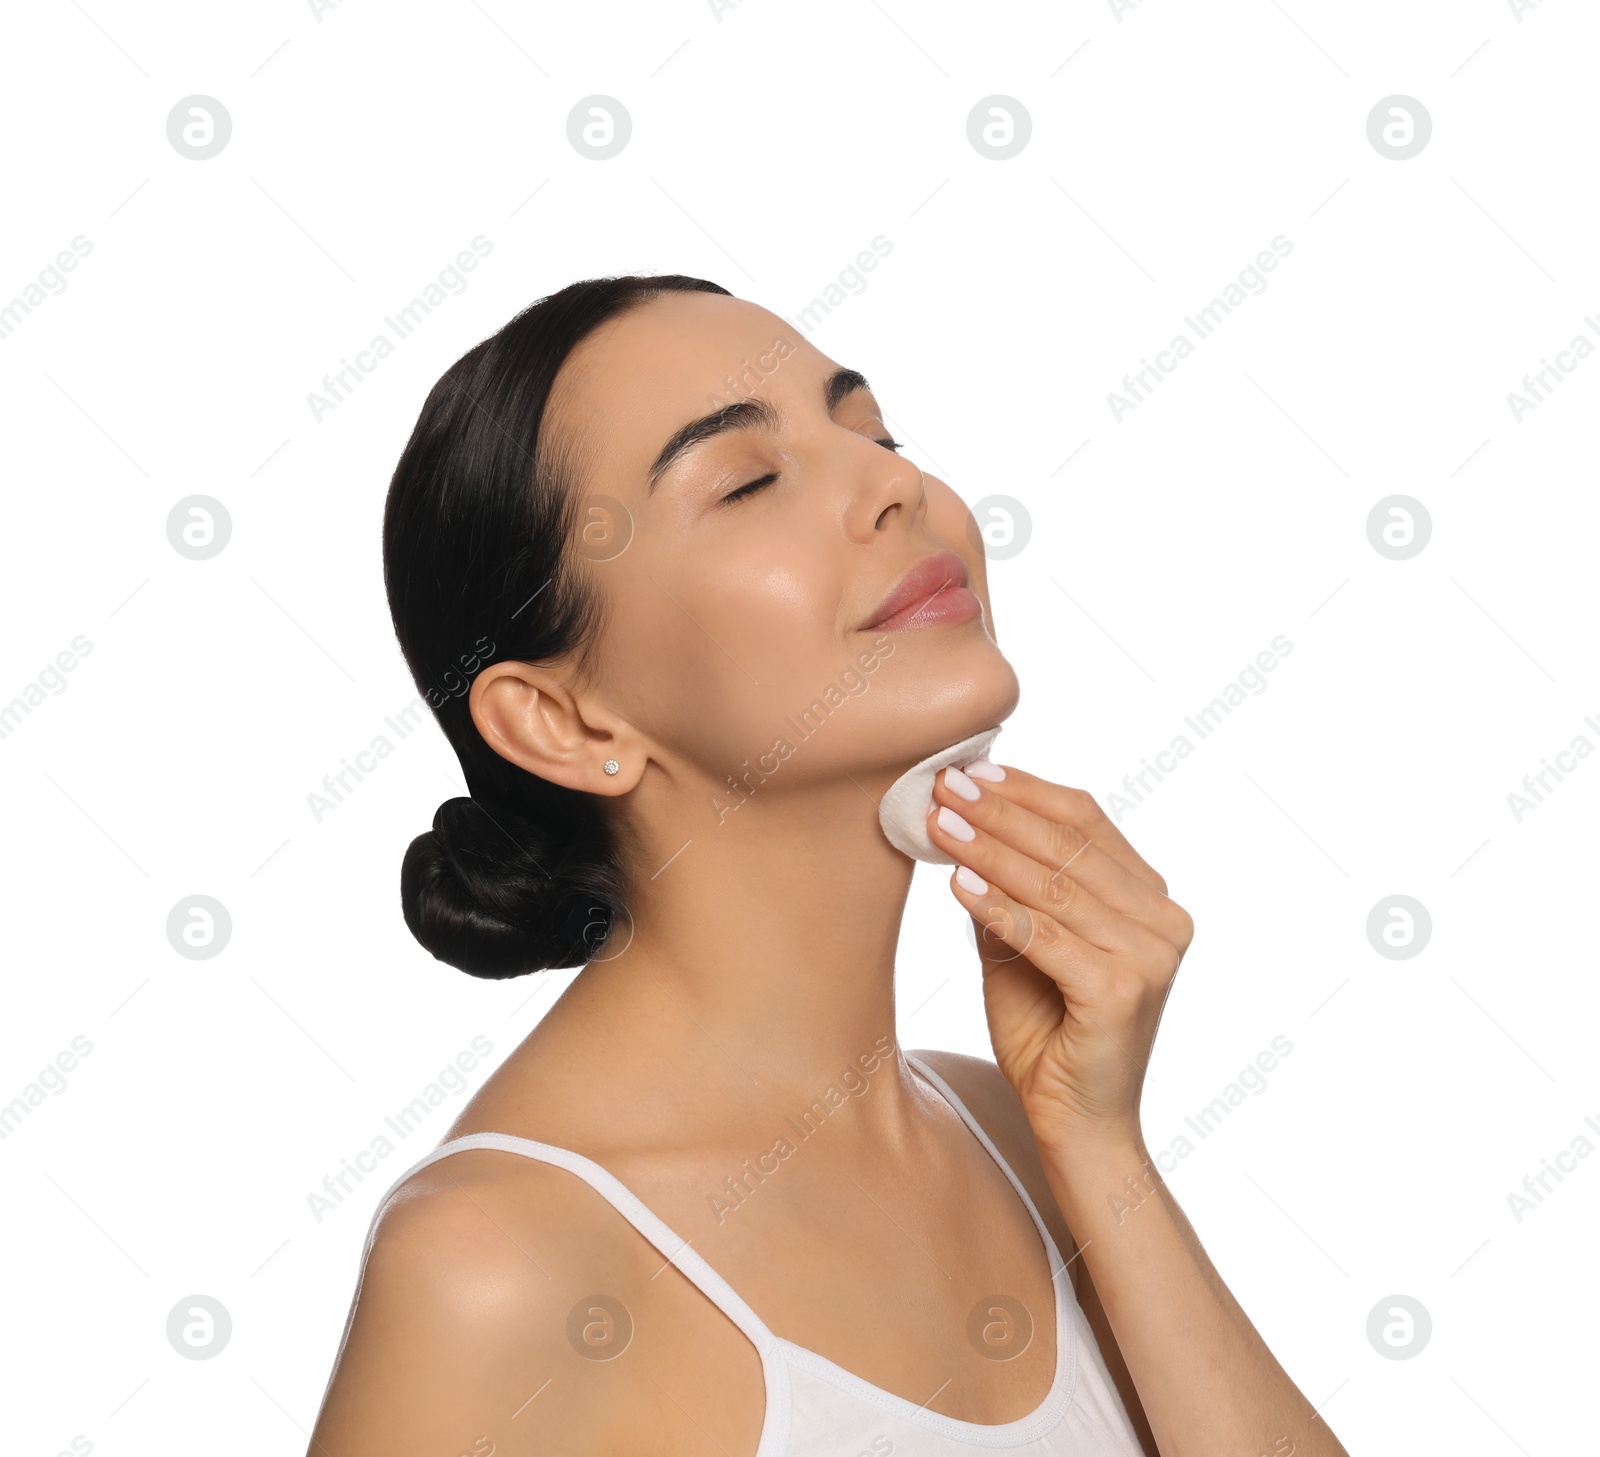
1079, 944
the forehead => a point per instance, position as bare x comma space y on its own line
637, 378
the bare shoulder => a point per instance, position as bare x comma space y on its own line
990, 1099
476, 1325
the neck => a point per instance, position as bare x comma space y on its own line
762, 950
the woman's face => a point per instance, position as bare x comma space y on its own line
742, 564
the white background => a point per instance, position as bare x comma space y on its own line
1170, 144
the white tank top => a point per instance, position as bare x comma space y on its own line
817, 1409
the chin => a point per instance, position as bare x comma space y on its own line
963, 699
1003, 694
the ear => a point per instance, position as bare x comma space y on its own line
529, 714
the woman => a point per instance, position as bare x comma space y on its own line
685, 614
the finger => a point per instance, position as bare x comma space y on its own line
1011, 934
1078, 808
1066, 851
1035, 885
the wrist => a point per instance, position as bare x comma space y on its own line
1087, 1141
1099, 1178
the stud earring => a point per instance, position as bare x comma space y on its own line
611, 766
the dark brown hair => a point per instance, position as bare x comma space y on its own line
478, 530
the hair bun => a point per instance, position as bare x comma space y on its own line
486, 891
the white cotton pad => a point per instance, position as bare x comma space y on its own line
904, 810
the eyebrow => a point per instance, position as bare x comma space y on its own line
748, 414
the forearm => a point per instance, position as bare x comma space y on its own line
1207, 1381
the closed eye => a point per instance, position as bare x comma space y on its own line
763, 482
751, 489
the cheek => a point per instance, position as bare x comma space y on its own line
711, 651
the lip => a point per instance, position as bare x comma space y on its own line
934, 591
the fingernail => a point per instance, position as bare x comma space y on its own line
983, 769
952, 824
954, 779
971, 880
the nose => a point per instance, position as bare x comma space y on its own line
884, 487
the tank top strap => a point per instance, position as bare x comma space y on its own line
628, 1204
949, 1095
